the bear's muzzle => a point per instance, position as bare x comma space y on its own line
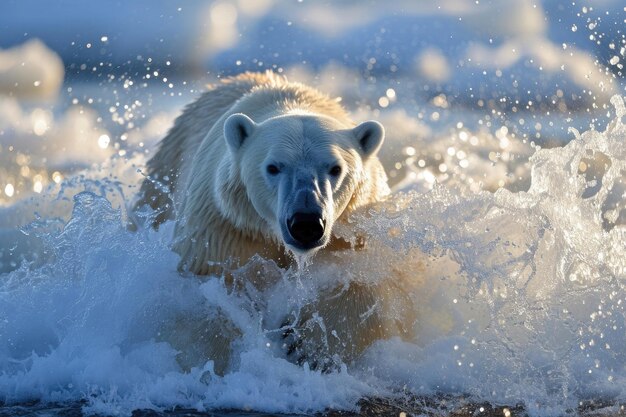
307, 229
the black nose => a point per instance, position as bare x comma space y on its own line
306, 228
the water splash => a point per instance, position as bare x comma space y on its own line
510, 298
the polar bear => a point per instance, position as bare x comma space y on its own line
258, 165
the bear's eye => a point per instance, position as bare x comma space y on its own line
335, 171
272, 170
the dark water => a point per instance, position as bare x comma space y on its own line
453, 406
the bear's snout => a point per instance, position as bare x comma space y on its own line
307, 229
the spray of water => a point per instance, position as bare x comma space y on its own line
506, 297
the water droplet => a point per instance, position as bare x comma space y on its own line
103, 141
9, 190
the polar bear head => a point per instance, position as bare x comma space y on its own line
301, 171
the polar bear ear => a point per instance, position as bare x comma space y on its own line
237, 128
370, 136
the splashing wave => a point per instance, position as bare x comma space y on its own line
518, 298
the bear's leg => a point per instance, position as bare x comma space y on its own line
344, 322
199, 338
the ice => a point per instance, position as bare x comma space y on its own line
30, 70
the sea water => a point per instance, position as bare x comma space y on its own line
519, 299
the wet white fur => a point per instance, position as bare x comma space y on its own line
226, 206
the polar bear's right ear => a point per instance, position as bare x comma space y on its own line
237, 128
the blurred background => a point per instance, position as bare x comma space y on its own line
466, 89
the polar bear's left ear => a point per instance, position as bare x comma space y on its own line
370, 136
237, 128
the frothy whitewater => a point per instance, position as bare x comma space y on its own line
520, 300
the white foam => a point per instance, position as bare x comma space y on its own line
519, 299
